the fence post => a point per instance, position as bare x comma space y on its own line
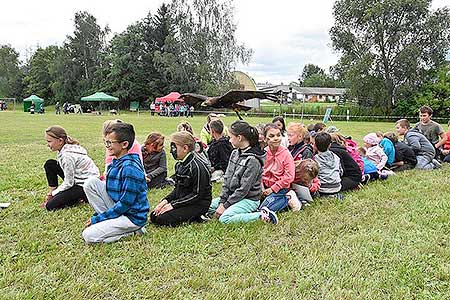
293, 113
348, 115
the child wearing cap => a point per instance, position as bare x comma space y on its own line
374, 152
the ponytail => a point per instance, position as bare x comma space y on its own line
58, 132
250, 133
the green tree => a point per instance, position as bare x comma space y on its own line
81, 65
10, 73
434, 93
127, 77
315, 76
204, 49
393, 42
40, 78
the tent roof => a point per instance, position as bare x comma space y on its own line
33, 98
171, 97
99, 96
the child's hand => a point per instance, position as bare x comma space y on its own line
166, 208
445, 152
48, 197
147, 179
267, 192
219, 210
159, 207
89, 223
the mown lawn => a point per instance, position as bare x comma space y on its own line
387, 241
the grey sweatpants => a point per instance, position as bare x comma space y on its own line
110, 230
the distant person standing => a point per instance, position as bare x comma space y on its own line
32, 108
57, 108
66, 108
152, 108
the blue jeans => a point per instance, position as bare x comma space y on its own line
276, 201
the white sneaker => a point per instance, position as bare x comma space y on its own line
293, 201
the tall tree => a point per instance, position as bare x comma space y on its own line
40, 77
204, 49
395, 42
82, 60
10, 72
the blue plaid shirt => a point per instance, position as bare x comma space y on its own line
127, 187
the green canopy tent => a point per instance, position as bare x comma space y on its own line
33, 98
100, 97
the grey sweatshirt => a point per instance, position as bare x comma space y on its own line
242, 179
76, 165
330, 171
419, 143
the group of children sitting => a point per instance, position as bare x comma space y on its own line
263, 170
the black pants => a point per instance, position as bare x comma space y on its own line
349, 183
180, 215
65, 198
158, 182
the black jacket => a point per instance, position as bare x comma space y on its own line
349, 165
193, 183
301, 151
405, 153
219, 153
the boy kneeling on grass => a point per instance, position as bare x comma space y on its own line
120, 204
422, 147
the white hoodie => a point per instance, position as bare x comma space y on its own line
76, 165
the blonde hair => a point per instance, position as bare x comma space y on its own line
298, 128
153, 138
58, 132
108, 123
182, 138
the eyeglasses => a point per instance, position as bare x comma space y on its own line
108, 143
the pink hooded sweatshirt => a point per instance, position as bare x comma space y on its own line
136, 148
279, 169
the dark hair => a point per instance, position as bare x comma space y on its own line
217, 126
391, 136
123, 131
319, 127
250, 133
322, 141
281, 119
268, 127
403, 123
426, 110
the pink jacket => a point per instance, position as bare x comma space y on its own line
279, 169
352, 149
136, 148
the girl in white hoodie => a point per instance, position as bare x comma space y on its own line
73, 165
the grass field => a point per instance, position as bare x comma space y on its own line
390, 240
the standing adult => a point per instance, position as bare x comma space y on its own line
57, 108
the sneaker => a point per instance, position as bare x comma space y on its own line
293, 201
170, 181
205, 218
436, 163
365, 179
269, 216
140, 231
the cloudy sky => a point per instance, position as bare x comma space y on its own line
284, 34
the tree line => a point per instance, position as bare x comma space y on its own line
185, 46
392, 56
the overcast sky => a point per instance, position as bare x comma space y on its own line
284, 34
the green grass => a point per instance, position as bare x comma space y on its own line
387, 241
